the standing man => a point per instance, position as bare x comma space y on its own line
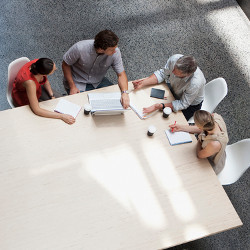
86, 63
187, 84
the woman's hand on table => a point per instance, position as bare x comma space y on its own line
68, 119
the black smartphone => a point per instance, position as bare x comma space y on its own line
157, 93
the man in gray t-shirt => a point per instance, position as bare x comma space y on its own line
86, 63
187, 84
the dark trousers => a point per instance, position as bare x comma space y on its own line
104, 83
45, 96
189, 112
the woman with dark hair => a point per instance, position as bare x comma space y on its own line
212, 138
32, 85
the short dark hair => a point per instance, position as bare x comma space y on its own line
186, 64
42, 66
105, 39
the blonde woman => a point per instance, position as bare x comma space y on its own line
212, 138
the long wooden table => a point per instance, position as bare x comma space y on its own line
102, 183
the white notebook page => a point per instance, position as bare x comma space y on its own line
178, 137
66, 107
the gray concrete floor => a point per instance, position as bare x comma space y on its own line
245, 6
217, 33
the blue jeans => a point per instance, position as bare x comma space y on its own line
104, 83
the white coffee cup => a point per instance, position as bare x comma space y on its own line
151, 130
87, 108
166, 112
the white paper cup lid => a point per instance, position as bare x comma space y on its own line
151, 129
87, 107
167, 110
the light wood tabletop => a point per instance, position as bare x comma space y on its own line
102, 183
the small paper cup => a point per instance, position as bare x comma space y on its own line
151, 130
87, 109
166, 112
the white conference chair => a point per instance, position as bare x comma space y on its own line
237, 162
215, 91
13, 69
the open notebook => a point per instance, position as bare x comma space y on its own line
106, 103
178, 137
66, 107
139, 100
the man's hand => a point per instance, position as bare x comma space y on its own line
138, 84
152, 108
74, 90
125, 100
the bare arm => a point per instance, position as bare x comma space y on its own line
211, 149
68, 75
185, 128
34, 105
48, 88
151, 80
123, 84
156, 107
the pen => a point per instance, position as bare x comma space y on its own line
173, 128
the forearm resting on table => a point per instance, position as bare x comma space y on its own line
151, 80
45, 113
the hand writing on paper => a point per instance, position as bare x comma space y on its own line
176, 127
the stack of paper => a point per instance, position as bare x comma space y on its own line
66, 107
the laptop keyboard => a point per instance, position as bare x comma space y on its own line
106, 104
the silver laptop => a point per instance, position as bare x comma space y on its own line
106, 103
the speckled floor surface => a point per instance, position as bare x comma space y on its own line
216, 32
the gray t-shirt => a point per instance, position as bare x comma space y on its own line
189, 90
89, 67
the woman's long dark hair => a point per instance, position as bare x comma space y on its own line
42, 66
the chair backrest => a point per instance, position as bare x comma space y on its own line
215, 91
13, 69
237, 162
